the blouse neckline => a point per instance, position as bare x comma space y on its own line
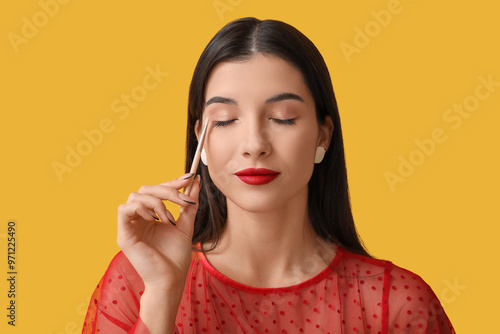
292, 288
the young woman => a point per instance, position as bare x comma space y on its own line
266, 243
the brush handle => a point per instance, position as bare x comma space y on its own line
194, 167
196, 159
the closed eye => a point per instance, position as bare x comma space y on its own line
284, 121
223, 123
276, 120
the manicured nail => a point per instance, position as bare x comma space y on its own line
156, 218
185, 176
185, 198
170, 218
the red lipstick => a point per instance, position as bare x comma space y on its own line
257, 176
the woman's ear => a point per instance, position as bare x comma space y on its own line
197, 129
325, 132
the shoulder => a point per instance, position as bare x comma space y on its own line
398, 283
397, 278
405, 281
408, 292
406, 298
361, 266
412, 302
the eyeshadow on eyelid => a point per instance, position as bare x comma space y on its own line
283, 114
216, 113
220, 116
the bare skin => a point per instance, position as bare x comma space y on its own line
272, 218
269, 241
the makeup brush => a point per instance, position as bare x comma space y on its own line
197, 155
196, 159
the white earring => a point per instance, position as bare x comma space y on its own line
204, 157
320, 154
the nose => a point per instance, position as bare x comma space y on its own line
256, 140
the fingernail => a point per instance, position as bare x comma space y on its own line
185, 198
170, 218
156, 218
185, 176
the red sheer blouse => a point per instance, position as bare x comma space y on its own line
354, 294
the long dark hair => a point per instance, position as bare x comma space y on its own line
328, 202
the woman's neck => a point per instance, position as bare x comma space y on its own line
271, 249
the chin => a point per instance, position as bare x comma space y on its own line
256, 202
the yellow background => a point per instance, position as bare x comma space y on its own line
441, 222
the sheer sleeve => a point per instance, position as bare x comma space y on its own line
114, 306
413, 306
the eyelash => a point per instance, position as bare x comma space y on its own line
277, 120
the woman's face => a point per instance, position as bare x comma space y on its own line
262, 115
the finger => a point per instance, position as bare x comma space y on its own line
157, 207
153, 214
163, 193
152, 204
188, 213
128, 218
179, 182
130, 212
133, 211
195, 193
169, 216
187, 190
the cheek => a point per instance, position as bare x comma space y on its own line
221, 162
306, 146
303, 145
222, 151
304, 159
218, 151
297, 156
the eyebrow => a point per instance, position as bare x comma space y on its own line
276, 98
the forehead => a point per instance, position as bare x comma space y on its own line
261, 75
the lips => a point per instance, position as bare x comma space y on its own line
257, 176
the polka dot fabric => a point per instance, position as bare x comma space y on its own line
354, 294
114, 305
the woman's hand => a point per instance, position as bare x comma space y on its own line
159, 251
